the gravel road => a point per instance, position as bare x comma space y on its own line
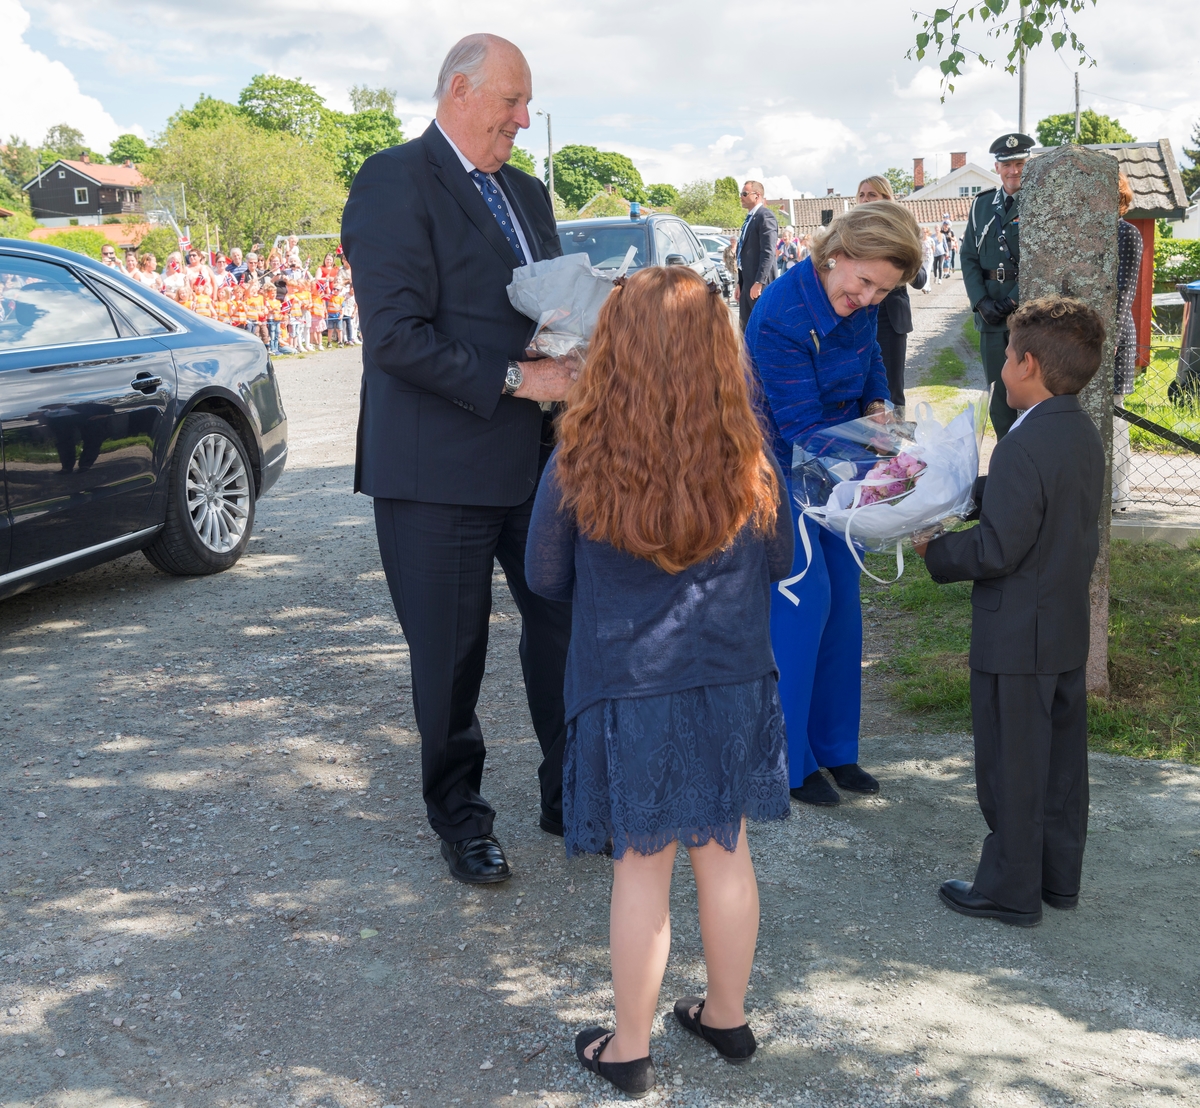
218, 887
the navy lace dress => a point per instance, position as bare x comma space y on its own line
675, 731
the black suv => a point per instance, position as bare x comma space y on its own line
126, 423
656, 239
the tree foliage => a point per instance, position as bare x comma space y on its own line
662, 196
380, 99
161, 241
81, 240
282, 104
250, 182
700, 202
523, 160
208, 111
1059, 130
128, 147
901, 182
1191, 175
1018, 24
64, 141
349, 140
726, 188
582, 171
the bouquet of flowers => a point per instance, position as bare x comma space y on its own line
564, 296
876, 482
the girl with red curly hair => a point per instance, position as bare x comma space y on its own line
660, 516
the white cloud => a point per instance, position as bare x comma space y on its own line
40, 93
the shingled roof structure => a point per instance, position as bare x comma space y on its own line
1153, 175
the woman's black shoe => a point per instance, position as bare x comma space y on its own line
854, 779
816, 790
734, 1044
635, 1079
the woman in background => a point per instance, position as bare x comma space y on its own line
895, 313
1129, 269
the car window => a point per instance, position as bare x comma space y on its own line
43, 304
606, 246
663, 243
144, 322
690, 248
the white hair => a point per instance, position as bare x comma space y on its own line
467, 56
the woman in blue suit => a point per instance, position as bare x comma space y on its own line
812, 341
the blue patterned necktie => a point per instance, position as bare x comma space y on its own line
498, 208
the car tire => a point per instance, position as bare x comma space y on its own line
210, 500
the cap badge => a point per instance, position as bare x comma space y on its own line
1011, 141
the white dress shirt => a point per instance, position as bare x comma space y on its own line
466, 164
1017, 421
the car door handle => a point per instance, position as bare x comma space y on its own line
146, 382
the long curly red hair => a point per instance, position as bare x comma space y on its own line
660, 452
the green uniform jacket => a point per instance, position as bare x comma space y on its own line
984, 248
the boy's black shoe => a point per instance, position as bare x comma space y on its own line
816, 790
477, 861
854, 779
962, 897
1057, 900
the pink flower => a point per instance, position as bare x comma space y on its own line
903, 470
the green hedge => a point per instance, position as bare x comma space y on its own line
81, 240
1176, 261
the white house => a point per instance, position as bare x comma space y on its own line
965, 179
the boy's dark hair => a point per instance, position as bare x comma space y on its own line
1066, 337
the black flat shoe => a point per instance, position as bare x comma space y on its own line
635, 1079
853, 779
734, 1044
551, 823
1057, 900
478, 861
962, 897
816, 790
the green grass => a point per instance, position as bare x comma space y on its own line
970, 335
1149, 399
948, 368
1153, 710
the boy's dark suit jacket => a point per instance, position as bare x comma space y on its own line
431, 267
1031, 556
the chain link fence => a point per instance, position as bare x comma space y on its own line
1161, 418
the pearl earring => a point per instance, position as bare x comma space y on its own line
831, 263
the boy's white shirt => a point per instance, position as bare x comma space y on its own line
1017, 421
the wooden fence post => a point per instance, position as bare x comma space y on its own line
1069, 248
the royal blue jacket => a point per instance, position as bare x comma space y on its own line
639, 631
816, 368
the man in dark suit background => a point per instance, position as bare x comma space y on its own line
756, 249
451, 436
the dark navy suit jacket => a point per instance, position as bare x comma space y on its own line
431, 267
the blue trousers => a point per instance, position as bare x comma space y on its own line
818, 647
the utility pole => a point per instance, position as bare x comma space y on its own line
1021, 73
549, 152
1077, 107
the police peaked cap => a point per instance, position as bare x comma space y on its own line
1010, 148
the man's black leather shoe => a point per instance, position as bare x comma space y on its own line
962, 897
551, 823
853, 779
478, 861
1057, 900
816, 790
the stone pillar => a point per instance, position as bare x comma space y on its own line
1069, 248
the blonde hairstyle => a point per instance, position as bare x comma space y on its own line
1125, 192
880, 184
867, 232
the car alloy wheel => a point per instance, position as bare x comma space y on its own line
218, 493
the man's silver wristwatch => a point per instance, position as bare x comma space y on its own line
513, 378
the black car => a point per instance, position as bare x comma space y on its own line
126, 423
656, 239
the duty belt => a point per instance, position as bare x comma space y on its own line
1000, 273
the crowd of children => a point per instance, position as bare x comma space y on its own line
291, 309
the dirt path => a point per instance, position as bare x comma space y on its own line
218, 887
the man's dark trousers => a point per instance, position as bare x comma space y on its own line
992, 352
438, 559
1032, 783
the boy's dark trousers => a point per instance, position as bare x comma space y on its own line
1032, 783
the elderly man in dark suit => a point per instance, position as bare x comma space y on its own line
451, 435
755, 250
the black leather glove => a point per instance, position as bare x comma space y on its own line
995, 312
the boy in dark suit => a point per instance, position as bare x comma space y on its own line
1031, 559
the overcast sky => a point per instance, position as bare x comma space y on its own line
808, 93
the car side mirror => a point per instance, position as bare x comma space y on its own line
675, 259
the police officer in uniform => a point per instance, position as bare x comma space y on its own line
991, 259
